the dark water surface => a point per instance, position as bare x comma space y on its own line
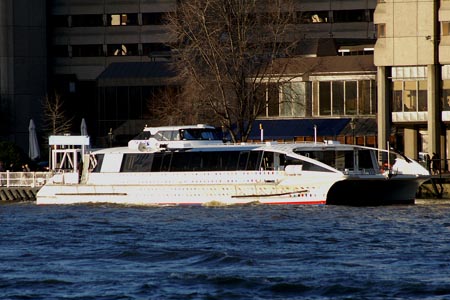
253, 252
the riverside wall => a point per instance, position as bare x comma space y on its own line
12, 194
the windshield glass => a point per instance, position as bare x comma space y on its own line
199, 134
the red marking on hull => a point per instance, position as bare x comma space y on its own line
297, 203
318, 202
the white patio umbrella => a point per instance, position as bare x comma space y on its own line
83, 127
33, 147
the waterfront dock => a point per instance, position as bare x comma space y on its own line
21, 186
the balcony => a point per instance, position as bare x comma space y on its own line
445, 115
411, 116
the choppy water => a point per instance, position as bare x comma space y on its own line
255, 252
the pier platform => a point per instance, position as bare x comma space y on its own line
21, 186
438, 186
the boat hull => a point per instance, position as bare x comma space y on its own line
360, 192
178, 195
192, 188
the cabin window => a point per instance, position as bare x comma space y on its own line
339, 160
144, 135
98, 161
156, 164
137, 163
365, 159
242, 162
267, 162
198, 134
195, 161
166, 161
165, 135
180, 162
253, 160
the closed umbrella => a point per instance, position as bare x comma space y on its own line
33, 147
83, 127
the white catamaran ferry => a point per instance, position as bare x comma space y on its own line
191, 165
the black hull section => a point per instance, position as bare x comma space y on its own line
373, 192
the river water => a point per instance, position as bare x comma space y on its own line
246, 252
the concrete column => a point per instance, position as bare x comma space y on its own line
383, 117
434, 113
411, 136
447, 147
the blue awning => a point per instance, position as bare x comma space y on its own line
288, 129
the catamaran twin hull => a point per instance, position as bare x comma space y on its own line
235, 187
190, 165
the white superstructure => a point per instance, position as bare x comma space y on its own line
192, 166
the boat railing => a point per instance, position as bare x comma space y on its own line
24, 179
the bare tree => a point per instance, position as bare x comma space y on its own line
168, 107
226, 53
55, 119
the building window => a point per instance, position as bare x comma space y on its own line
381, 30
59, 21
343, 98
122, 50
122, 19
293, 99
87, 20
446, 94
366, 97
346, 16
445, 28
351, 95
153, 18
87, 50
410, 96
324, 97
273, 96
397, 88
422, 96
288, 99
148, 48
307, 17
60, 51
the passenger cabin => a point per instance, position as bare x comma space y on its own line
348, 160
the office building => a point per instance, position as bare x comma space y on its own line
412, 55
108, 58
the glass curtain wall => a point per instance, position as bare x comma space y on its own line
344, 98
409, 96
287, 99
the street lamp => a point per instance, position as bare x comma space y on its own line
353, 126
